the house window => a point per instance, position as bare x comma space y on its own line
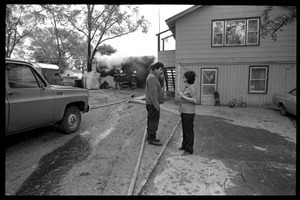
252, 31
235, 32
218, 32
258, 79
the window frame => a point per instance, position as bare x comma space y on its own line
23, 85
246, 19
225, 34
258, 32
250, 91
212, 38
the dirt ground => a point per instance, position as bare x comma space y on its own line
109, 168
237, 152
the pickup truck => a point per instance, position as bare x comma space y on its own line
30, 102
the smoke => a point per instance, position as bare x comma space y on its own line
139, 64
109, 61
107, 65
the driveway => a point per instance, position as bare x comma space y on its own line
237, 151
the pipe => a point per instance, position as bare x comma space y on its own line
136, 170
144, 181
110, 104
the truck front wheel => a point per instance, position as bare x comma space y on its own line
71, 120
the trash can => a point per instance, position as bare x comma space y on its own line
78, 83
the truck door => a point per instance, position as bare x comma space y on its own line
30, 101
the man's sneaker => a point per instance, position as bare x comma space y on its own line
155, 142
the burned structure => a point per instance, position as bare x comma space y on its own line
128, 65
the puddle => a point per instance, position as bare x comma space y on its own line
53, 166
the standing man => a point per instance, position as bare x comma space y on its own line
134, 80
121, 79
154, 97
116, 78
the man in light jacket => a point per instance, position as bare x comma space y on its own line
154, 97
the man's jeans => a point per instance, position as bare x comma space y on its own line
152, 121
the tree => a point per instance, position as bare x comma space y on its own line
271, 26
104, 22
54, 12
44, 47
20, 21
106, 50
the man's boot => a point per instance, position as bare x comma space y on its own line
155, 142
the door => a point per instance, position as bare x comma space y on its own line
30, 101
208, 86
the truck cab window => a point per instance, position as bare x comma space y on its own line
21, 76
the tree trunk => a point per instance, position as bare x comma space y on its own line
57, 39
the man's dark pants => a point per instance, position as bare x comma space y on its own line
188, 131
152, 122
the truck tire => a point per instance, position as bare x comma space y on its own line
71, 120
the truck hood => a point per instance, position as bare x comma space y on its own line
63, 87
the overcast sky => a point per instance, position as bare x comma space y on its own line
142, 44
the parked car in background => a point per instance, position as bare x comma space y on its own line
31, 102
286, 102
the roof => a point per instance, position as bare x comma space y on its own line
36, 65
171, 21
16, 60
45, 65
75, 70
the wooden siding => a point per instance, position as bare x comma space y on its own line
167, 58
233, 80
193, 38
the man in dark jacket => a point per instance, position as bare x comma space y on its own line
154, 97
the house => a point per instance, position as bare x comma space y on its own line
72, 73
223, 45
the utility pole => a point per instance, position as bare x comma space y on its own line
158, 36
159, 18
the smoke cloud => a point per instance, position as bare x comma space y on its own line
108, 65
109, 61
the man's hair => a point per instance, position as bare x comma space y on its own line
190, 76
156, 65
